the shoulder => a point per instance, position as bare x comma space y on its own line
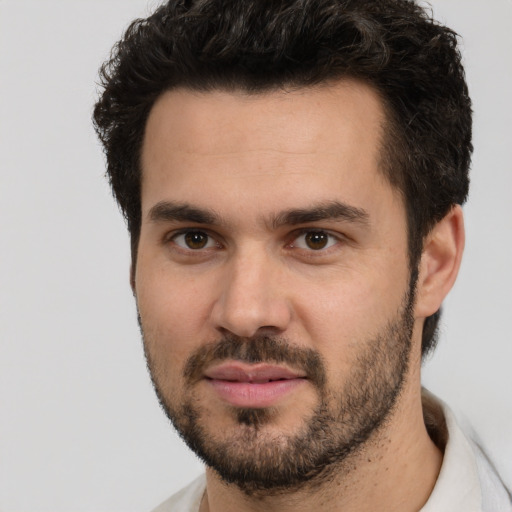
186, 500
495, 495
468, 480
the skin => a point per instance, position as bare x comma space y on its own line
249, 158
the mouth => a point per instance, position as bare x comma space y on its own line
253, 385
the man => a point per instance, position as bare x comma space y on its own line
292, 174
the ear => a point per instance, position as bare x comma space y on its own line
440, 262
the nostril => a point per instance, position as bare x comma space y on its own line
249, 316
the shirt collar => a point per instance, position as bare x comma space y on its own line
458, 487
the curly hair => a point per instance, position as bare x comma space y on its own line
395, 46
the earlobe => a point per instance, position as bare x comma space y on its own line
440, 262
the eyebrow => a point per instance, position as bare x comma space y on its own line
323, 211
167, 211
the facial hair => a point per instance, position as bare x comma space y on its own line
261, 463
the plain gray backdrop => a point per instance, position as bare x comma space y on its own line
80, 428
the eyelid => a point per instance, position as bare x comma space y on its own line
338, 237
218, 242
171, 236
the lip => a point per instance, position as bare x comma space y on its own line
253, 385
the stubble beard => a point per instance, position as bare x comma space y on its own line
259, 461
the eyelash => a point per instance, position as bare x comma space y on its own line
172, 238
332, 240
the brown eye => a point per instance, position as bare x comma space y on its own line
194, 240
316, 240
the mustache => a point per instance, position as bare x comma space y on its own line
257, 349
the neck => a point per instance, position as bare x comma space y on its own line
395, 470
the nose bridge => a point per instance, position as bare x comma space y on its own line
251, 297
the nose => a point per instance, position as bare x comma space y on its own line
251, 299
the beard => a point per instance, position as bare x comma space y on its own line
261, 462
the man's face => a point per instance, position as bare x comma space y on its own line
272, 278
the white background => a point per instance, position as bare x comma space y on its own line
80, 428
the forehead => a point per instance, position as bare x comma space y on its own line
279, 145
301, 120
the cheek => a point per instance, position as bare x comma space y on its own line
341, 315
173, 310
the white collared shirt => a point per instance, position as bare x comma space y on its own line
467, 482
